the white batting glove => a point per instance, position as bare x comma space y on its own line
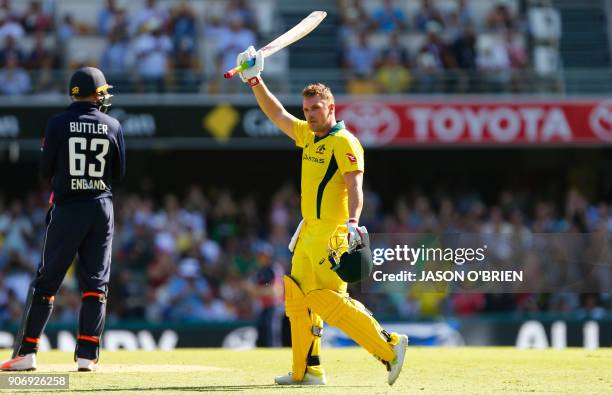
257, 68
355, 232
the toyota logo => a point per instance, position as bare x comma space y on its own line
373, 123
600, 120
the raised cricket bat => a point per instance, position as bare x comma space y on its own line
297, 32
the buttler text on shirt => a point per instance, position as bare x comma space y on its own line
88, 128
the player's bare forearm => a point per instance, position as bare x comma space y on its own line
354, 186
273, 109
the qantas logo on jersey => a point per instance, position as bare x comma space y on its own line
351, 158
313, 159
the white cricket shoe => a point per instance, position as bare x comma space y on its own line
20, 363
87, 365
395, 366
309, 379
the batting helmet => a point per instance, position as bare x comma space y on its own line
88, 81
352, 263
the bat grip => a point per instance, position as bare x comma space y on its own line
245, 65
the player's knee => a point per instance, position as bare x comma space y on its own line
43, 298
329, 304
95, 296
294, 299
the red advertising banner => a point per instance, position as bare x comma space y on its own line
481, 122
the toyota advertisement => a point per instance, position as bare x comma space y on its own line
479, 123
405, 124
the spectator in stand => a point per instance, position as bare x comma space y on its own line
466, 17
42, 60
354, 17
115, 58
232, 41
267, 289
214, 28
152, 51
427, 71
389, 17
392, 76
183, 28
107, 18
187, 68
151, 13
241, 9
433, 58
427, 13
464, 51
18, 274
361, 58
518, 59
67, 29
10, 27
36, 20
215, 309
452, 27
6, 8
500, 18
10, 49
37, 57
130, 295
494, 65
395, 48
13, 79
186, 292
591, 307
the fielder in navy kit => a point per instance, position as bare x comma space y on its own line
82, 154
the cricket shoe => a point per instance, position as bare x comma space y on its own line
20, 363
87, 365
309, 379
395, 366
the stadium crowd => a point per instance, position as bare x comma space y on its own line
448, 57
220, 256
156, 48
158, 42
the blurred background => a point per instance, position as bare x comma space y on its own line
478, 116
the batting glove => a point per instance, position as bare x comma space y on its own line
257, 68
355, 232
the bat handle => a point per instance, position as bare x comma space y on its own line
245, 65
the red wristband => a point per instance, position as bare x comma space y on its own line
253, 81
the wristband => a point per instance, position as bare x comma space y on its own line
253, 81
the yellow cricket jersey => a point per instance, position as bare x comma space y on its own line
324, 161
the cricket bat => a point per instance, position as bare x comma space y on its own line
296, 33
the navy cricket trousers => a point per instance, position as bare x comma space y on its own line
84, 228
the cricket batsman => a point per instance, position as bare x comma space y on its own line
82, 154
331, 190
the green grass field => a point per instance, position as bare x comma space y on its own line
349, 371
